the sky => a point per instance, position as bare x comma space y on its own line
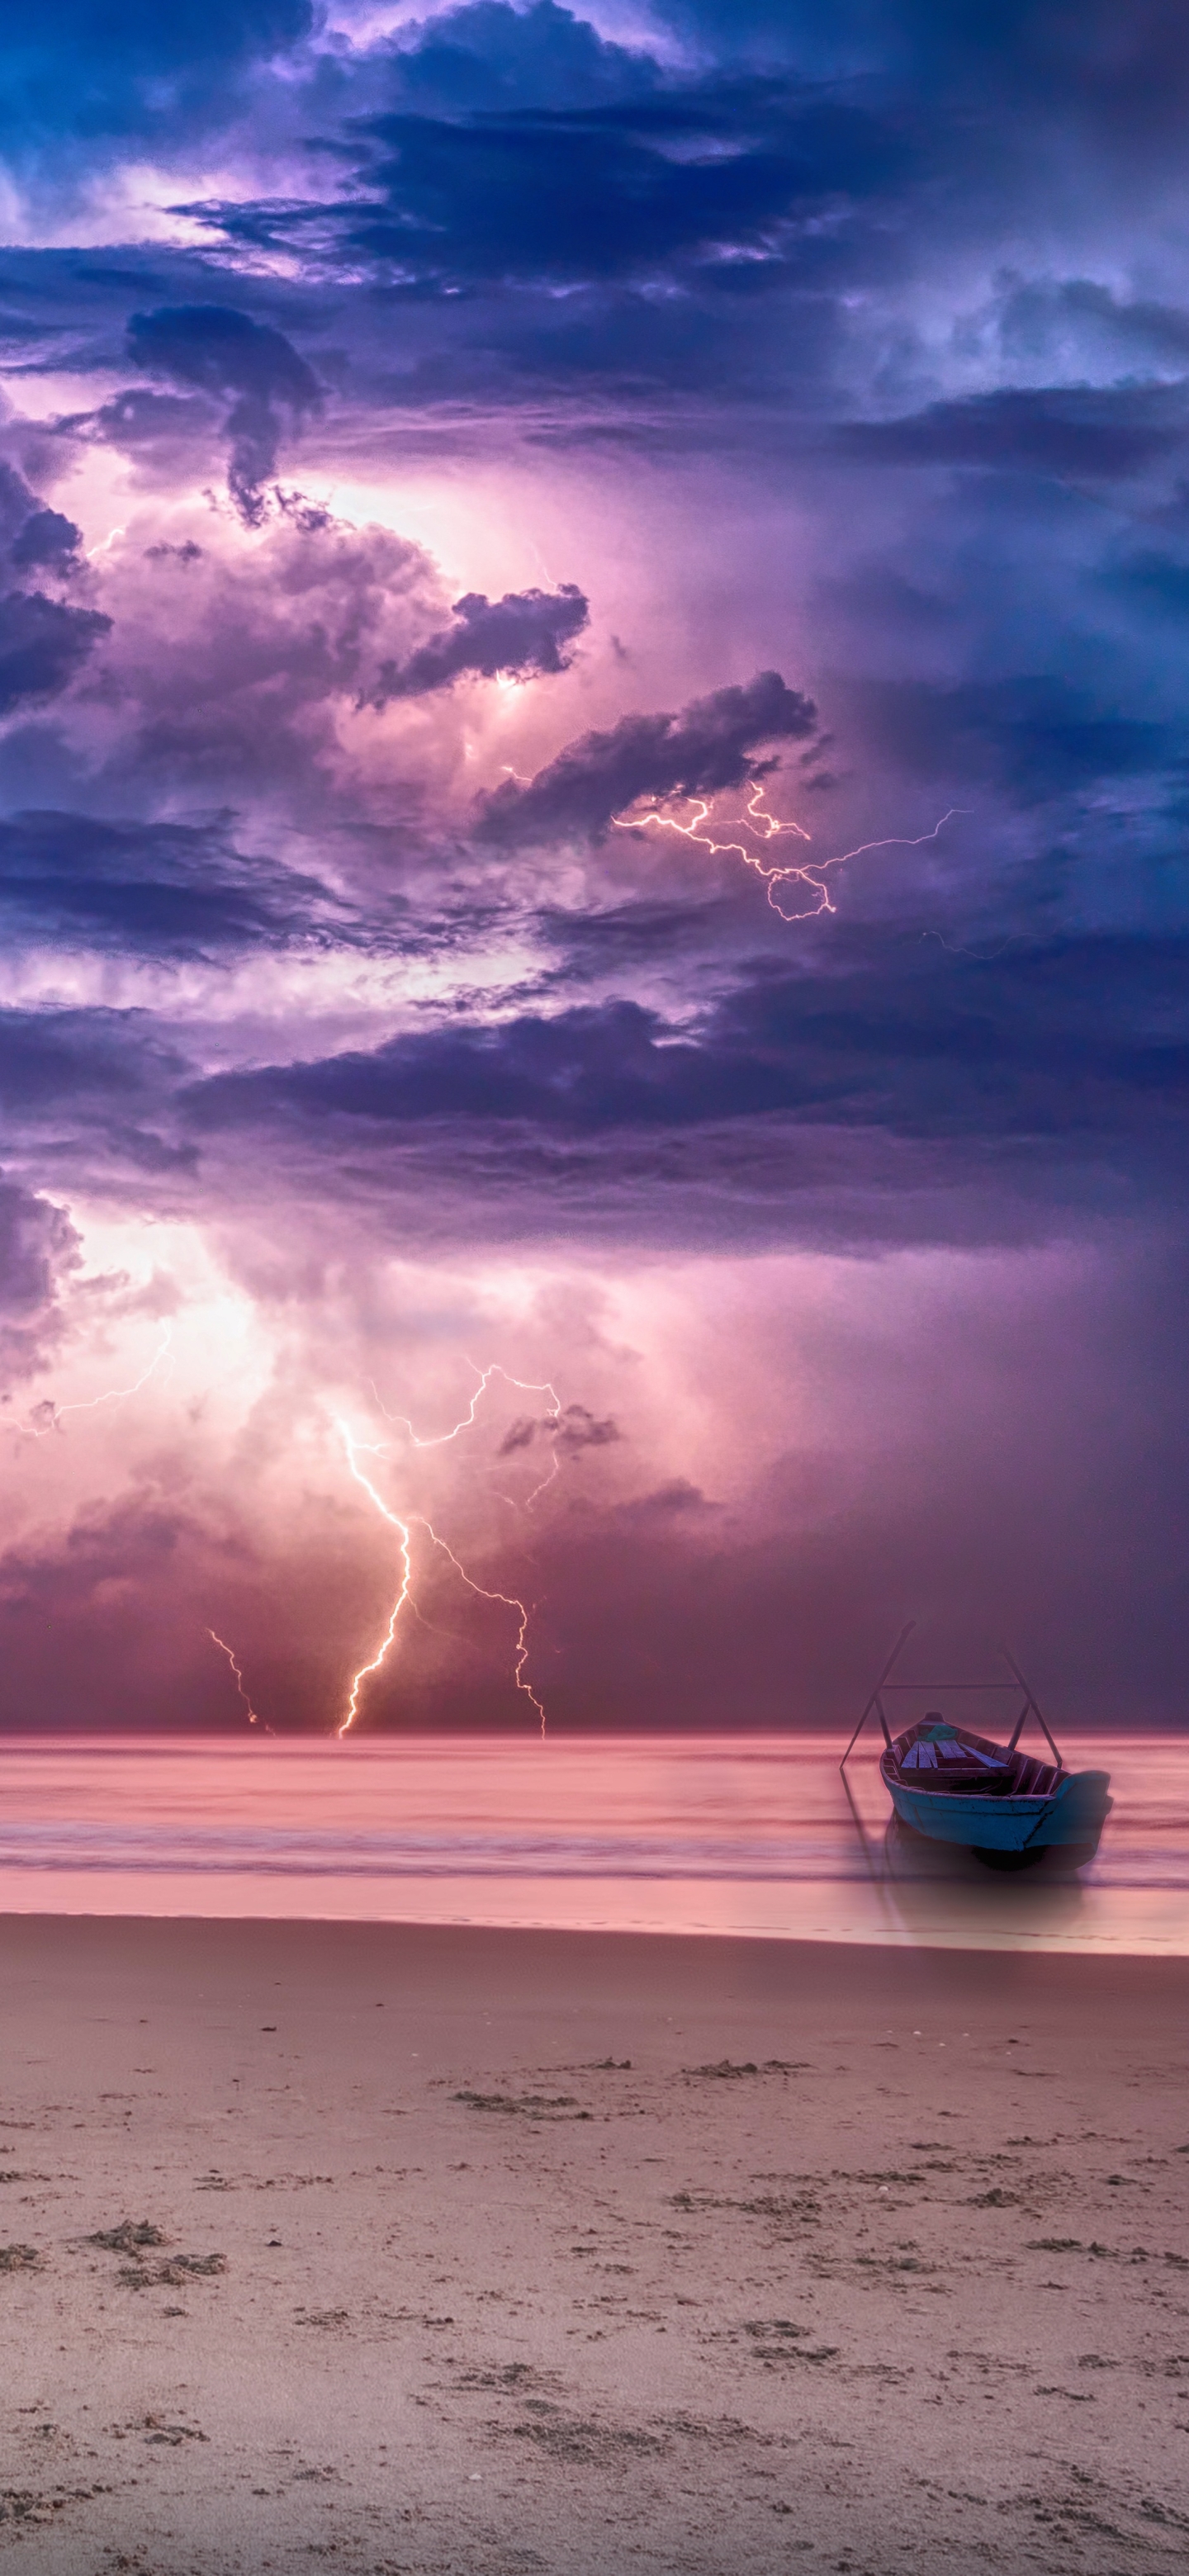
593, 792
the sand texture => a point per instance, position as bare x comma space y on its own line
415, 2250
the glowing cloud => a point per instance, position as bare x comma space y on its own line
54, 1414
523, 1385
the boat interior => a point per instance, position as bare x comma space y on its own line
934, 1756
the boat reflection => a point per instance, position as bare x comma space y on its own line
928, 1888
917, 1859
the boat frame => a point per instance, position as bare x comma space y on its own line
1031, 1707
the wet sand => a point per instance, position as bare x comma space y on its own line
414, 2249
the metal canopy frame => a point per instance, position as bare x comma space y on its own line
1031, 1707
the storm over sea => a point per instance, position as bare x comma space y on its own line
733, 1836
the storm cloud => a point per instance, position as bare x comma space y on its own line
225, 352
43, 643
710, 744
525, 631
1054, 1044
671, 178
150, 890
38, 1249
427, 442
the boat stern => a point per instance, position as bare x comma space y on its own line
1076, 1812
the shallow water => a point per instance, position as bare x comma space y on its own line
741, 1835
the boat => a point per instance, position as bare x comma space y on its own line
1007, 1807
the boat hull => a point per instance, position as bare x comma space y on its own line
1073, 1813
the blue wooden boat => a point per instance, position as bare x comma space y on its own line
1005, 1806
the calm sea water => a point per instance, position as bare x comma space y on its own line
731, 1836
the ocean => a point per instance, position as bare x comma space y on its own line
728, 1835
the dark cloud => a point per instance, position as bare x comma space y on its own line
676, 1495
86, 1613
604, 191
1069, 431
487, 55
156, 890
225, 352
587, 1067
1026, 1496
86, 1062
136, 419
622, 188
33, 536
1053, 1040
710, 744
578, 1429
1123, 78
86, 1093
525, 631
1035, 737
1126, 80
86, 70
638, 933
1155, 581
1057, 1041
43, 644
38, 1249
572, 1430
47, 539
494, 145
1041, 316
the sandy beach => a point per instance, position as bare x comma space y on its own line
425, 2250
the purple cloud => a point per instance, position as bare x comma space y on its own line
526, 631
254, 367
710, 744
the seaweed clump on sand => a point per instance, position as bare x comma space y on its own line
138, 2238
170, 2275
19, 2258
130, 2237
529, 2106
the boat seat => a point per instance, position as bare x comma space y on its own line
1033, 1779
930, 1758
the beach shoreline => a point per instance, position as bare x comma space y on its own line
493, 2250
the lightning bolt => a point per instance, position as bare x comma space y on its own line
112, 1395
510, 1602
438, 1440
254, 1719
810, 874
354, 1449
